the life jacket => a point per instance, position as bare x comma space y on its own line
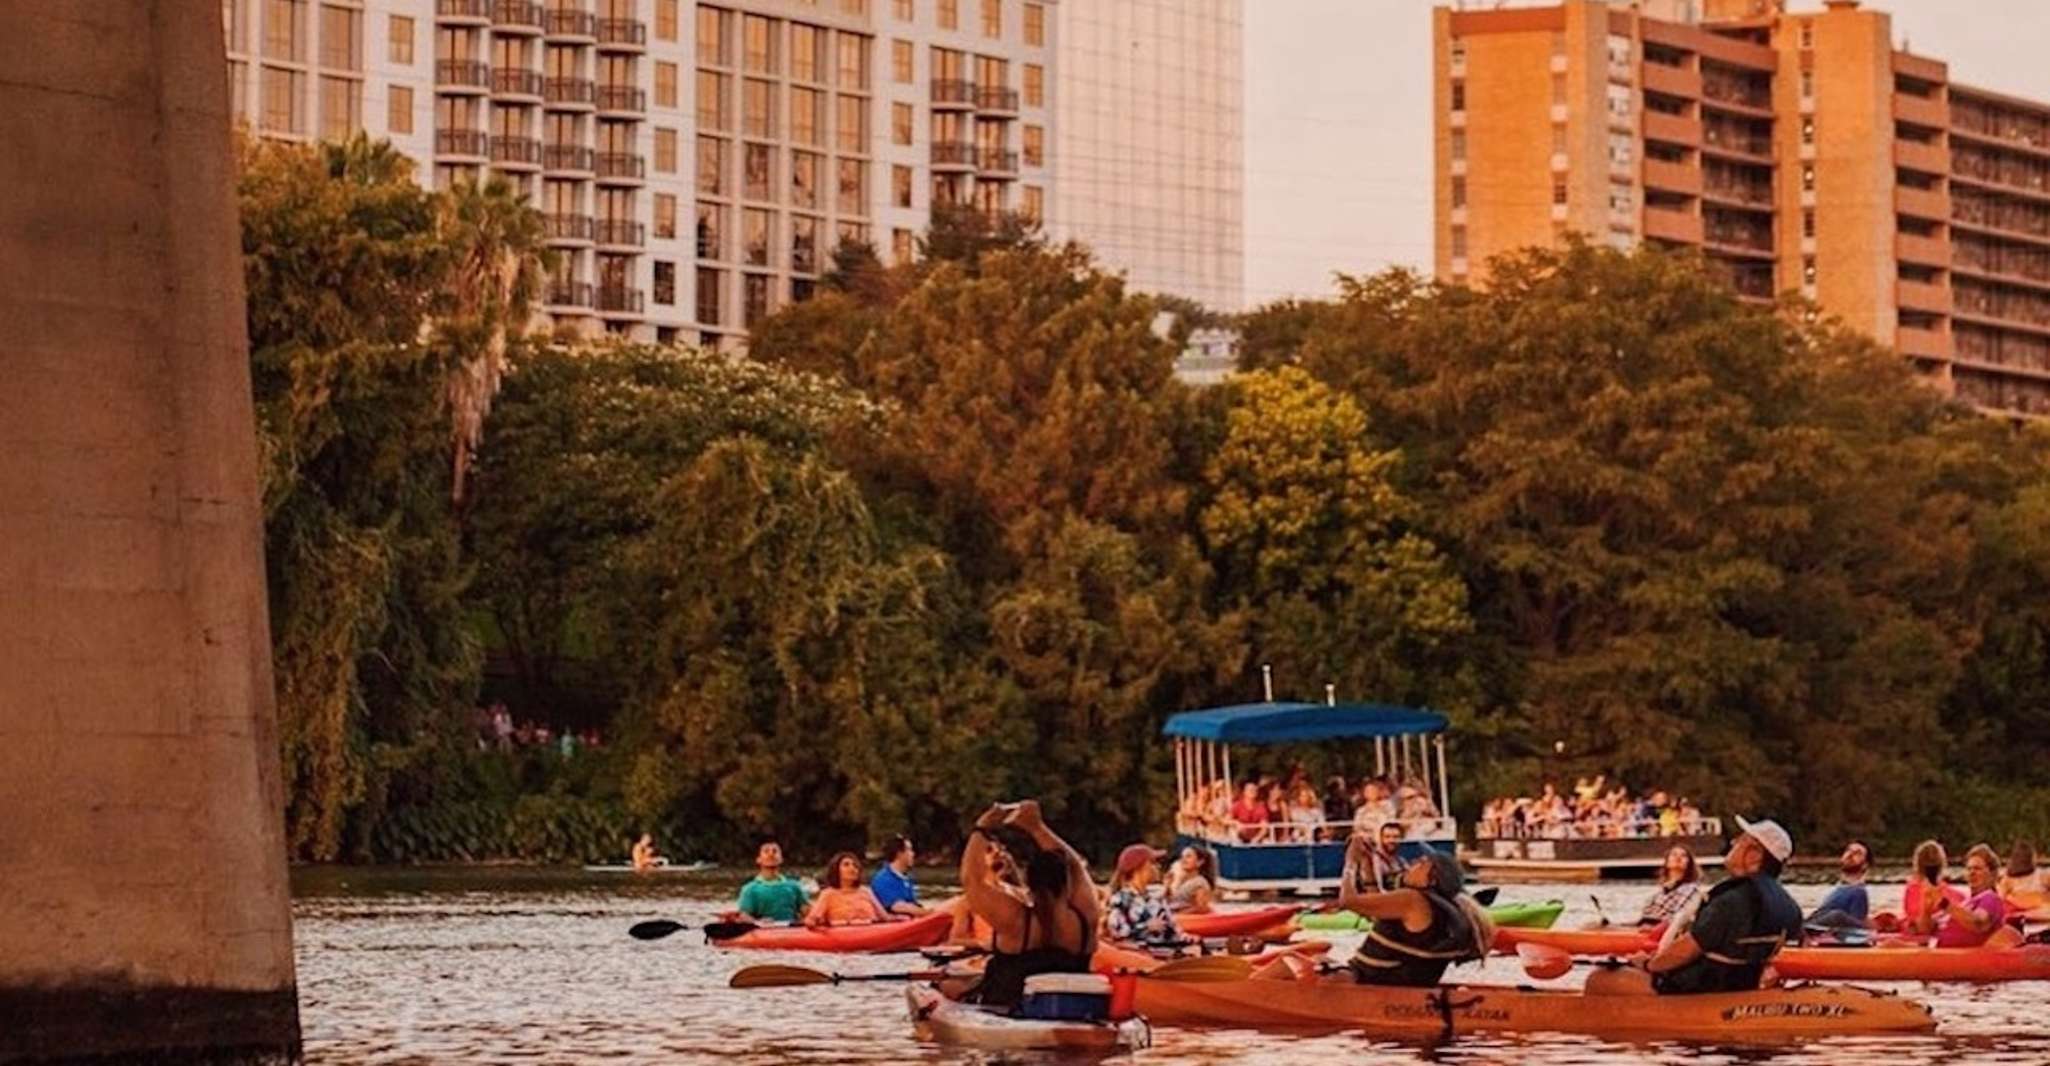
1393, 955
1738, 965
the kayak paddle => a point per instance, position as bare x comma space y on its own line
660, 928
1598, 912
1544, 962
776, 976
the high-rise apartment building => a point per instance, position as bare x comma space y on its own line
1800, 150
1150, 142
696, 163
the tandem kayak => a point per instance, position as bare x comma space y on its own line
1236, 923
937, 1018
1337, 1002
1506, 915
2029, 962
909, 935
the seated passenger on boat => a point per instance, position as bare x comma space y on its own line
1052, 929
1137, 909
1679, 884
1375, 809
1848, 905
1742, 923
1422, 926
1971, 923
843, 899
1250, 813
771, 897
1192, 881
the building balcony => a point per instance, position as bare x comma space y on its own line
621, 233
1673, 129
1927, 158
1666, 224
473, 143
475, 12
515, 82
566, 229
460, 74
953, 95
1672, 177
1741, 194
622, 168
516, 153
1921, 110
996, 98
1736, 146
1932, 204
569, 24
1737, 239
620, 300
568, 157
1924, 251
575, 294
997, 162
1672, 81
516, 16
1925, 343
622, 99
953, 155
1930, 296
622, 35
569, 94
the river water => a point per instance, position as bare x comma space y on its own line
534, 966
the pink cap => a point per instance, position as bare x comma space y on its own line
1136, 856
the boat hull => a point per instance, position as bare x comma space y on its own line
2027, 963
941, 1020
909, 935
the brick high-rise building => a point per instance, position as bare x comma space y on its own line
1800, 150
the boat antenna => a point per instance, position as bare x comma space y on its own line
1330, 694
1267, 680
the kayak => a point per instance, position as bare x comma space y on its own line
2029, 962
935, 1017
1337, 1002
1506, 915
1236, 923
909, 935
1623, 940
1113, 958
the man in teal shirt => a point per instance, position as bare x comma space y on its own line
772, 897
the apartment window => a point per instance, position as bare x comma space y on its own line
758, 108
900, 186
1622, 149
712, 46
1459, 96
902, 116
284, 30
900, 62
854, 7
234, 28
1459, 144
807, 43
1459, 192
1559, 192
902, 245
1807, 84
709, 291
665, 151
1808, 223
853, 60
755, 299
1558, 88
1035, 24
341, 108
665, 216
665, 84
989, 197
1807, 130
665, 283
808, 116
1458, 50
1459, 242
905, 10
1621, 200
992, 18
1035, 145
758, 171
341, 38
1558, 139
853, 187
665, 20
281, 98
755, 52
949, 14
400, 34
238, 91
851, 123
711, 231
804, 244
1808, 270
712, 112
1035, 85
804, 179
1808, 178
399, 109
1807, 34
754, 237
1033, 205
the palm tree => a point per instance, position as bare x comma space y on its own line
496, 238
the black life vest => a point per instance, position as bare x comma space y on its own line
1738, 965
1393, 955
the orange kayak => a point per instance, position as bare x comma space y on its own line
2029, 962
907, 935
1111, 958
1627, 940
1334, 1003
1236, 923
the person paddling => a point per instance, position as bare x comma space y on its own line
1053, 930
893, 886
771, 897
1743, 922
1848, 905
1420, 927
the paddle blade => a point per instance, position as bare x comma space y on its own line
717, 931
655, 930
1543, 961
778, 977
1203, 968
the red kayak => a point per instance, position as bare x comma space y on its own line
2030, 962
1236, 923
1627, 940
907, 935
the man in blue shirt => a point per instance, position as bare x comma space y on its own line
892, 885
1847, 906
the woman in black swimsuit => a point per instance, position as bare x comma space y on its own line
1053, 930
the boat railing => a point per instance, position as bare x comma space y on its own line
1256, 834
1634, 829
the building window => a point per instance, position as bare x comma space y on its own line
708, 296
665, 216
1459, 144
711, 231
712, 166
665, 20
341, 108
1459, 242
1459, 192
665, 84
1807, 130
804, 179
1808, 270
1035, 24
804, 244
851, 124
712, 46
284, 30
807, 53
399, 109
1559, 193
1808, 223
757, 52
950, 14
665, 283
1458, 51
808, 117
400, 32
902, 116
1034, 203
993, 18
754, 237
233, 28
758, 171
341, 38
854, 7
1459, 96
900, 186
905, 10
853, 187
1035, 85
755, 299
283, 109
1807, 34
989, 197
1558, 139
1807, 84
902, 245
1034, 145
1558, 88
853, 60
665, 151
1808, 178
712, 110
900, 62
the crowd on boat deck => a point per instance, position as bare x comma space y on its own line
1268, 810
1596, 809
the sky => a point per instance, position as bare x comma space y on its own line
1338, 121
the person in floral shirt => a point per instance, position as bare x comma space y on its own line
1138, 910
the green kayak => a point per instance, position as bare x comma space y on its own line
1536, 915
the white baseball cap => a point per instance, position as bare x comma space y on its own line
1770, 836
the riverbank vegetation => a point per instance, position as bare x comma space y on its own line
952, 532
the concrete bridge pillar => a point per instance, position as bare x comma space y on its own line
144, 909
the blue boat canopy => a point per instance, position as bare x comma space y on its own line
1284, 723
